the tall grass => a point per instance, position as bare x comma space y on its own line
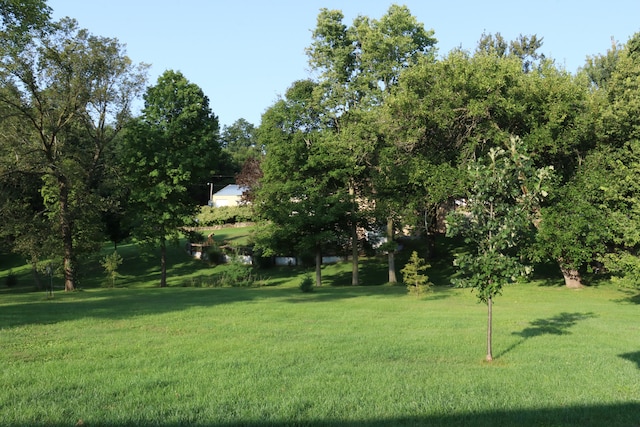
338, 356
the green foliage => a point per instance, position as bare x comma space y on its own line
306, 284
211, 215
65, 96
171, 147
215, 255
238, 275
111, 263
506, 191
11, 280
412, 275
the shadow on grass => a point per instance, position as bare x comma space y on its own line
612, 415
635, 358
556, 325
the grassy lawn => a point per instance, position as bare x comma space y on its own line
342, 355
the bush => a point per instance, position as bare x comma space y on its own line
306, 284
210, 216
215, 256
11, 280
416, 282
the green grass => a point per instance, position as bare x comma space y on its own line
341, 355
337, 356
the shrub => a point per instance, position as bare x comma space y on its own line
209, 216
215, 255
417, 283
194, 236
306, 284
11, 280
110, 263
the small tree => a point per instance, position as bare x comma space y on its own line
110, 263
503, 199
412, 274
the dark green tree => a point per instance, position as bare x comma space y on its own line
172, 146
358, 66
239, 140
300, 194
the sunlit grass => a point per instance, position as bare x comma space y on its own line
365, 355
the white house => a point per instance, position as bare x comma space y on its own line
231, 195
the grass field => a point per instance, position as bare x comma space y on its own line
341, 355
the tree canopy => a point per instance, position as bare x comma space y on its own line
173, 145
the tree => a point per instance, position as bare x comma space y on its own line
64, 96
574, 228
240, 141
249, 178
358, 66
171, 146
413, 275
19, 18
505, 193
299, 194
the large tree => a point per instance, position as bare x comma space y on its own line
173, 145
358, 66
64, 96
301, 192
499, 213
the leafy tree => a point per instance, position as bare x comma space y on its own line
64, 96
358, 66
599, 68
525, 48
240, 141
506, 191
298, 194
574, 228
172, 146
19, 18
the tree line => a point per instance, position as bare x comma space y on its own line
384, 134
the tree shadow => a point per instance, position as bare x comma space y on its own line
611, 415
556, 325
632, 296
633, 357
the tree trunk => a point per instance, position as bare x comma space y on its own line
391, 252
355, 281
163, 262
572, 278
318, 266
36, 276
67, 237
489, 328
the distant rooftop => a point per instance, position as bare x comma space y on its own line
231, 190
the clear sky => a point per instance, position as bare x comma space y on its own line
246, 53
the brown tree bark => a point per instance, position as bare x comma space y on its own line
391, 253
66, 228
355, 280
318, 266
572, 278
489, 329
163, 262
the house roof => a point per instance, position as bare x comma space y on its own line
230, 190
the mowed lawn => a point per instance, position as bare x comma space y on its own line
344, 356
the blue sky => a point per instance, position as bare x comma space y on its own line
245, 53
